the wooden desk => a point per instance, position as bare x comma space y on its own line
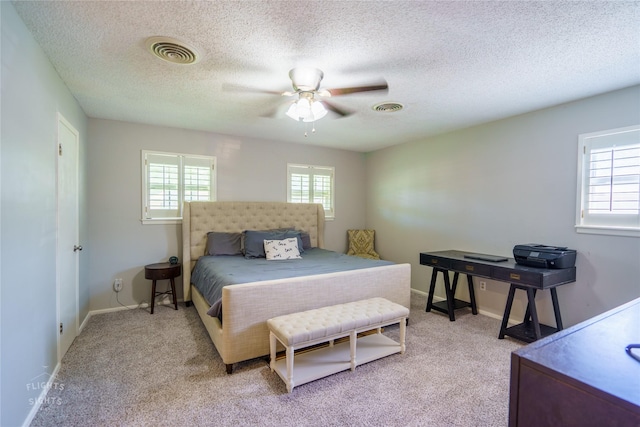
581, 376
528, 279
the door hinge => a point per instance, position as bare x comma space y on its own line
60, 328
59, 149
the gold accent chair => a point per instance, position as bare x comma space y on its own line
361, 244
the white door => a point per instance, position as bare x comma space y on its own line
69, 248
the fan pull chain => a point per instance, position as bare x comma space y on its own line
313, 128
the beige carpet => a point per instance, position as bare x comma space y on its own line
130, 368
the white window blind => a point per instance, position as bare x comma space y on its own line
609, 182
170, 178
311, 184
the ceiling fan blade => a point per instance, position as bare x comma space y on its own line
230, 87
382, 86
340, 111
274, 112
270, 114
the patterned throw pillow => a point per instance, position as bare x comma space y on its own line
361, 243
282, 249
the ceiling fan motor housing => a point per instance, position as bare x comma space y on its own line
306, 79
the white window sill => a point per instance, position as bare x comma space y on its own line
163, 221
610, 231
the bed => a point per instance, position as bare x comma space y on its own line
241, 332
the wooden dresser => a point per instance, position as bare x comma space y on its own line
581, 376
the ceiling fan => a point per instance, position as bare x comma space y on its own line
310, 104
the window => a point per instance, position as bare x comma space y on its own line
609, 182
168, 179
311, 184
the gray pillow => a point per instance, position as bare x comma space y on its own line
254, 242
221, 243
306, 241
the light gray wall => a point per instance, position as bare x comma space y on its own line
249, 170
488, 188
32, 95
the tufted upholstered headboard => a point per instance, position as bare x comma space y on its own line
199, 218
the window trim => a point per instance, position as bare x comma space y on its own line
584, 150
329, 214
181, 161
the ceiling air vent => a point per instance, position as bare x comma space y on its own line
172, 50
388, 107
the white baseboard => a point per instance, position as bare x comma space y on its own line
120, 308
130, 307
41, 398
480, 311
43, 394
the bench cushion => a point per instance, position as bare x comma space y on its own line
296, 328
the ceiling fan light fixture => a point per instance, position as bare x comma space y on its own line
306, 110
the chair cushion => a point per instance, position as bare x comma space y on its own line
361, 243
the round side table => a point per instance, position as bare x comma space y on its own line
162, 271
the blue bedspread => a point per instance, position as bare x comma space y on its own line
212, 273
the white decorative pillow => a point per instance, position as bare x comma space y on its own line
282, 249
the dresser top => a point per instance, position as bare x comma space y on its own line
593, 352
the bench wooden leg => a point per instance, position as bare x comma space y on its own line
403, 334
352, 344
289, 356
272, 350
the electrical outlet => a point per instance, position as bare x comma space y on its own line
483, 286
117, 285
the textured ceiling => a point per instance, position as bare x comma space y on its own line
453, 64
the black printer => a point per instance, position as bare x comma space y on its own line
542, 256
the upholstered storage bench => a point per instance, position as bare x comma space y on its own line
308, 328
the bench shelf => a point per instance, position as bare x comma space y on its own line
325, 325
319, 363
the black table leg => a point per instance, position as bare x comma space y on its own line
531, 297
454, 285
507, 311
472, 295
153, 295
556, 309
173, 292
530, 329
450, 304
432, 289
449, 293
527, 312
